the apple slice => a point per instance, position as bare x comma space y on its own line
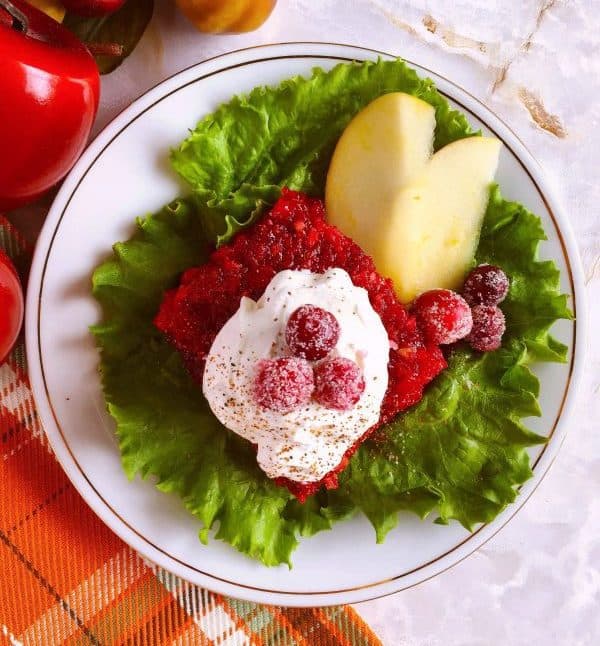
386, 144
433, 223
417, 215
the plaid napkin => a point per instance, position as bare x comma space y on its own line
65, 578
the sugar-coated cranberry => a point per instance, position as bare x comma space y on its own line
312, 332
339, 383
283, 384
443, 315
485, 285
488, 327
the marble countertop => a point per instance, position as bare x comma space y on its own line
536, 63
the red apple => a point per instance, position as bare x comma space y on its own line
49, 89
11, 305
92, 7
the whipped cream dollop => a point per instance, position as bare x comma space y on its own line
308, 442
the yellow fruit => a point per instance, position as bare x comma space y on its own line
434, 221
381, 149
52, 8
418, 215
232, 16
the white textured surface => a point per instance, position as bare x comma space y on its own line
538, 581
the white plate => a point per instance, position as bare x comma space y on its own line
125, 173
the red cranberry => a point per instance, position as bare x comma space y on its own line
488, 327
283, 384
485, 285
339, 383
312, 332
444, 316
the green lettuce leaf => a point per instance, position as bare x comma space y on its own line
239, 157
461, 450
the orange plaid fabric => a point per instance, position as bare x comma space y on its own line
65, 578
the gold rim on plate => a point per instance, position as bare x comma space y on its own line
340, 58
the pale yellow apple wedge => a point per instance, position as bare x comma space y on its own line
433, 224
384, 147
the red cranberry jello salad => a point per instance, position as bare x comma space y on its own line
299, 344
